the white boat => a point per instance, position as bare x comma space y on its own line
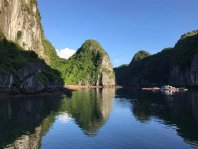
171, 88
167, 87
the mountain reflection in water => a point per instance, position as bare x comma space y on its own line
30, 122
90, 108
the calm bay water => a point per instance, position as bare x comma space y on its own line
101, 119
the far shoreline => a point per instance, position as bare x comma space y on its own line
77, 87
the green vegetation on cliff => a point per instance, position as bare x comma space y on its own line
13, 58
52, 58
139, 56
83, 67
186, 48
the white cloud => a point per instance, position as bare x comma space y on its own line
65, 53
64, 117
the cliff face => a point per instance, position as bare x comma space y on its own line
90, 66
22, 45
187, 77
106, 73
20, 22
185, 70
176, 66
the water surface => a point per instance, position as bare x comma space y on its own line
101, 118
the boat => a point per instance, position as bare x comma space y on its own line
173, 89
166, 88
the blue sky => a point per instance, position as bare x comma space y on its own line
123, 27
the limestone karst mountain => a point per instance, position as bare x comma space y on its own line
90, 65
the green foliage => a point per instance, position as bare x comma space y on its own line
53, 60
83, 67
50, 51
13, 57
139, 56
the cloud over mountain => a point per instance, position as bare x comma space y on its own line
65, 53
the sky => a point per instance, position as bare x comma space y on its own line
122, 27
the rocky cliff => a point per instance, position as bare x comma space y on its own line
90, 66
106, 74
20, 22
176, 66
22, 48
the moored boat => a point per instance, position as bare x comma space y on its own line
166, 88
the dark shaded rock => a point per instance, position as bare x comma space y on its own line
6, 80
29, 70
32, 85
188, 76
53, 85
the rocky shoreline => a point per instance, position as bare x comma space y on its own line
27, 80
63, 91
